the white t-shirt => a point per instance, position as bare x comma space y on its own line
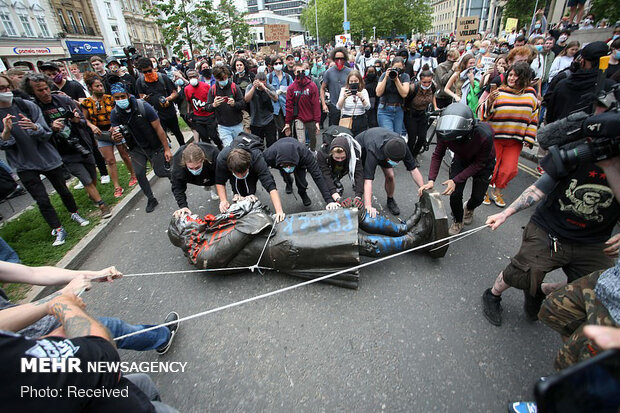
353, 105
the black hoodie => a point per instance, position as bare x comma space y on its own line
181, 176
258, 167
291, 151
577, 92
331, 170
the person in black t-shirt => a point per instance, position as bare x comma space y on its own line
80, 340
158, 90
571, 230
69, 87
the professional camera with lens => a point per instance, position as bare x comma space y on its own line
131, 53
72, 141
124, 130
582, 138
392, 74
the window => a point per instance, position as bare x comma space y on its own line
81, 18
43, 26
61, 16
27, 26
8, 24
154, 34
72, 20
144, 33
108, 9
117, 39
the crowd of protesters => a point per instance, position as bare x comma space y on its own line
251, 111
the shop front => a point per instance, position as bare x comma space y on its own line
28, 54
82, 51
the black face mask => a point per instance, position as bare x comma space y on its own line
371, 76
426, 53
206, 73
367, 53
439, 49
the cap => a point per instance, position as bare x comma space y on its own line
49, 65
289, 55
112, 59
395, 149
594, 51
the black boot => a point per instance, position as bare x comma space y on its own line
392, 206
492, 307
305, 198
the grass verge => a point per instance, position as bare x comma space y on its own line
30, 236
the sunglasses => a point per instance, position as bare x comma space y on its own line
147, 71
339, 58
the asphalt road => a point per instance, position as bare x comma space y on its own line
411, 339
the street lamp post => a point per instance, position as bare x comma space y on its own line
316, 21
345, 15
374, 32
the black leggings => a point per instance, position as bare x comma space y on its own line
139, 158
267, 132
416, 125
35, 187
207, 131
172, 125
479, 187
99, 161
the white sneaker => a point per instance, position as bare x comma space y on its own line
105, 179
79, 219
79, 186
214, 195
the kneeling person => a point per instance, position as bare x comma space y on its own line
193, 163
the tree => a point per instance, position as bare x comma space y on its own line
231, 20
522, 10
385, 15
182, 23
609, 9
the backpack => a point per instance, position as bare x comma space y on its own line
160, 80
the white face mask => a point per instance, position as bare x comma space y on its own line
6, 97
425, 87
277, 67
193, 81
154, 65
562, 39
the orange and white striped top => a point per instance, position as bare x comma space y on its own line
512, 115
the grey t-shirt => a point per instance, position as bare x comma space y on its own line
44, 326
261, 106
335, 80
391, 95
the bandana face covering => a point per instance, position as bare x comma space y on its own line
151, 77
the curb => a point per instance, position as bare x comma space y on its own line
78, 254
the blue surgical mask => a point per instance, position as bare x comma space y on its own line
195, 171
307, 72
539, 47
223, 83
392, 163
296, 58
244, 176
468, 47
483, 50
537, 26
616, 36
288, 169
180, 82
617, 55
319, 64
122, 103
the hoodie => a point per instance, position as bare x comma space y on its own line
291, 151
303, 94
352, 166
577, 92
258, 167
181, 176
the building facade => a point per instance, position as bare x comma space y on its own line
113, 26
446, 13
79, 28
289, 8
143, 32
257, 22
444, 17
27, 34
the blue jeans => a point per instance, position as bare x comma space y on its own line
390, 117
150, 340
7, 253
228, 133
543, 89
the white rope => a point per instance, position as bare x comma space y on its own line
255, 266
463, 235
195, 271
292, 287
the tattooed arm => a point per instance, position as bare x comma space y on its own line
18, 273
21, 316
528, 198
69, 310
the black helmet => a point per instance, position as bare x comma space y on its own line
456, 122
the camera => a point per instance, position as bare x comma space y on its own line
392, 74
131, 52
71, 140
124, 130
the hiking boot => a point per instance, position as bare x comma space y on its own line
455, 228
499, 200
105, 179
492, 307
118, 192
61, 236
172, 316
133, 181
81, 221
391, 204
468, 215
531, 305
305, 198
289, 187
150, 205
106, 211
487, 200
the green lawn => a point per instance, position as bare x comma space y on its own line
31, 238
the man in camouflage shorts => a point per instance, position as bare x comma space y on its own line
567, 311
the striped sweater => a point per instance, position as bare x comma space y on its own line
513, 116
